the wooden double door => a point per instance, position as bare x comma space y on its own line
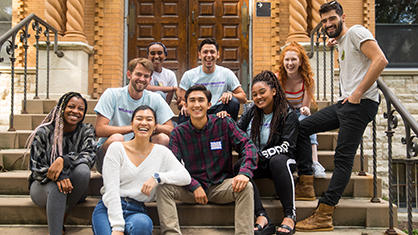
182, 24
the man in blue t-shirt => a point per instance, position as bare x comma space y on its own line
227, 93
115, 107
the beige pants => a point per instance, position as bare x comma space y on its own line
220, 194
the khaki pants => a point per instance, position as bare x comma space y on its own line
220, 194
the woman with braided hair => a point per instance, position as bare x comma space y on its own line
272, 124
62, 152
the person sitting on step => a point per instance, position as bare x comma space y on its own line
272, 124
163, 81
296, 77
62, 152
204, 144
227, 93
115, 107
131, 172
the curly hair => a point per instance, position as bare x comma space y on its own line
304, 69
56, 117
280, 104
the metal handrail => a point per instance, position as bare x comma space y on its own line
13, 31
413, 124
11, 37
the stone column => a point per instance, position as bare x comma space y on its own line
69, 73
75, 21
298, 21
316, 18
55, 14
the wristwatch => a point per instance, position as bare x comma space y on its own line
157, 178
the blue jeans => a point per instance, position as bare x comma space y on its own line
301, 117
352, 120
137, 221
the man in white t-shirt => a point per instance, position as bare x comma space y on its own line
361, 62
227, 93
115, 107
163, 81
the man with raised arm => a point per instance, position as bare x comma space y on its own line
361, 62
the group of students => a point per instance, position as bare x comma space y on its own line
273, 138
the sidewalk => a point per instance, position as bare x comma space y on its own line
86, 230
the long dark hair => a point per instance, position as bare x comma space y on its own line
280, 104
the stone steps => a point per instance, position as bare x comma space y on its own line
354, 209
349, 212
186, 230
16, 183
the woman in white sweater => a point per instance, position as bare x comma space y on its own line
131, 171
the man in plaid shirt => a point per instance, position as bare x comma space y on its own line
204, 144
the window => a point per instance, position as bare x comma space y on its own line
397, 30
5, 25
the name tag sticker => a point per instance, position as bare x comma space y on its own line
215, 145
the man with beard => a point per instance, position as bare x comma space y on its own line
115, 107
163, 81
361, 62
227, 93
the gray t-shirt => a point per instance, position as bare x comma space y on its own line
218, 82
353, 63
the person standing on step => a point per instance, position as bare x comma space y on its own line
204, 144
361, 62
163, 81
296, 77
132, 171
62, 152
115, 107
227, 93
272, 125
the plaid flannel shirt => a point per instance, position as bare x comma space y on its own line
207, 153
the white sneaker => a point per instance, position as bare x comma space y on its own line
318, 170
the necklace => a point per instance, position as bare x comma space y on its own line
141, 156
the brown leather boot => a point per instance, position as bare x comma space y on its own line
304, 190
319, 220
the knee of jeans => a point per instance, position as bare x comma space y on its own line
141, 224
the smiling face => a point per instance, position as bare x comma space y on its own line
333, 24
208, 54
263, 96
157, 56
139, 78
291, 62
73, 113
197, 105
143, 123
